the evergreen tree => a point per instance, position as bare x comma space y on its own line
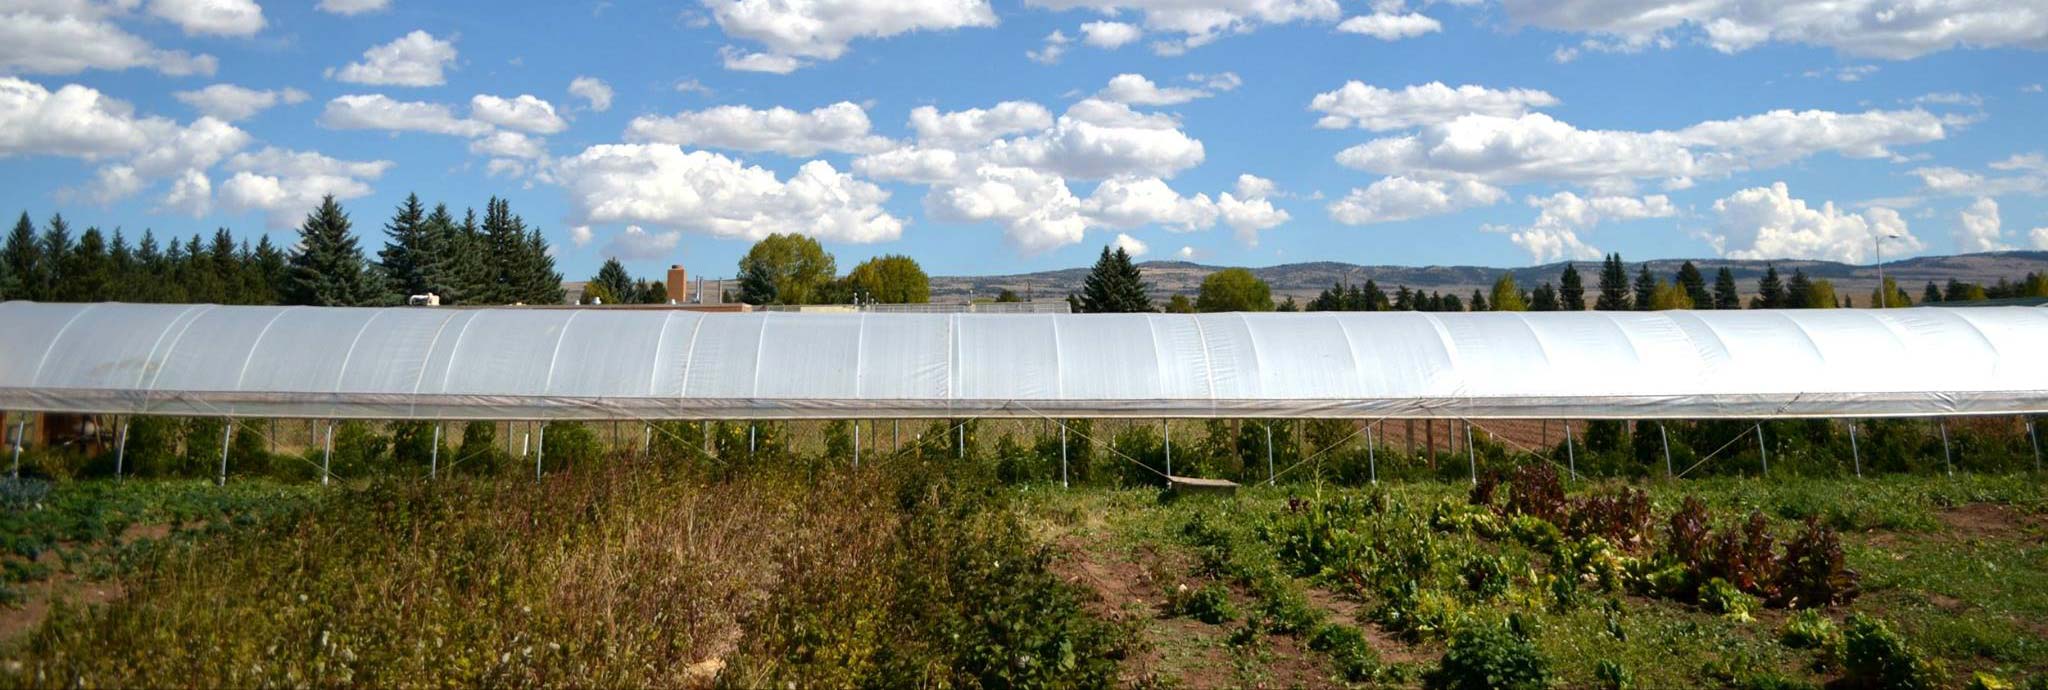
469, 270
56, 251
611, 284
1479, 301
1544, 298
89, 275
1114, 285
1449, 303
327, 268
414, 252
1571, 290
1373, 298
540, 283
1799, 292
1694, 284
1645, 289
268, 266
1613, 286
1404, 299
1931, 295
504, 241
21, 263
1770, 291
1725, 294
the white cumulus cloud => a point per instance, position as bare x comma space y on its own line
637, 244
377, 111
841, 127
1135, 89
662, 185
1978, 228
594, 92
1870, 28
524, 112
1391, 26
1194, 23
1400, 198
822, 29
211, 17
59, 37
1562, 216
352, 7
1768, 223
1361, 105
415, 59
1110, 35
231, 103
286, 184
1131, 245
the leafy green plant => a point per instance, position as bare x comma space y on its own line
1490, 657
1208, 603
1815, 572
1485, 577
1874, 656
1613, 675
1348, 650
1718, 596
1809, 630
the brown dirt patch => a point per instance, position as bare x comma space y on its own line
1346, 609
1988, 520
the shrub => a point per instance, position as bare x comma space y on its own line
567, 445
1347, 648
479, 452
1208, 603
1489, 657
1873, 656
1815, 572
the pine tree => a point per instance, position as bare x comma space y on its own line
1613, 286
1694, 284
89, 276
612, 283
1114, 285
1544, 298
504, 247
1571, 290
469, 275
56, 252
1645, 289
327, 268
1770, 291
1375, 298
1404, 299
1479, 301
1799, 291
540, 282
413, 252
1725, 294
268, 266
1931, 295
22, 257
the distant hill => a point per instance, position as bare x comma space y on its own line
1304, 280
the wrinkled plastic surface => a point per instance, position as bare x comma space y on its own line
442, 363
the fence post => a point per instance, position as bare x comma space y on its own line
227, 432
646, 439
1763, 449
1946, 460
1571, 455
960, 434
540, 448
856, 445
121, 448
2036, 438
1855, 454
1666, 437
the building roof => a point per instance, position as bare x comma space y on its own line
664, 364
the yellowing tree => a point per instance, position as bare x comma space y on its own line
1507, 296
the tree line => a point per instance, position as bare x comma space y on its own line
1116, 284
496, 259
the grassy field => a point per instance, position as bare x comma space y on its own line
933, 573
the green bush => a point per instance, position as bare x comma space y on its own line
568, 445
1348, 650
1873, 656
479, 453
1809, 630
1490, 657
1208, 603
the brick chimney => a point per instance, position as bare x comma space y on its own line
678, 284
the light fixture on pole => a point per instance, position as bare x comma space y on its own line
1877, 240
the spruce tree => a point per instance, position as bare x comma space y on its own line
268, 266
1613, 286
1694, 284
469, 277
56, 252
1571, 290
505, 248
327, 268
89, 276
1114, 285
613, 283
1645, 289
21, 262
413, 252
540, 282
1544, 298
1770, 291
1799, 292
1375, 298
1725, 294
1931, 295
1478, 302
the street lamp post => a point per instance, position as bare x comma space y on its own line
1878, 242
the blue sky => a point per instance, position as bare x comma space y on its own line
997, 137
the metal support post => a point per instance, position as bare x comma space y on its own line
1470, 457
2034, 436
1571, 454
1169, 449
1946, 459
1372, 460
1763, 448
750, 441
227, 432
1666, 437
327, 455
896, 435
121, 449
1855, 454
20, 432
960, 434
1063, 455
856, 444
540, 449
646, 439
434, 455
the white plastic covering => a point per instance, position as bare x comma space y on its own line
641, 364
